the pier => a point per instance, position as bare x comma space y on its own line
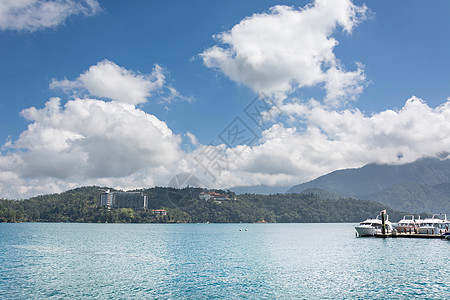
410, 235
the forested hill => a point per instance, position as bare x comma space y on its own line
414, 187
413, 197
374, 178
184, 206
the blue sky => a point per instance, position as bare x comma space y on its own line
384, 54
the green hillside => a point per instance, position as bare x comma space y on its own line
184, 206
413, 197
414, 187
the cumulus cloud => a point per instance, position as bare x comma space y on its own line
416, 130
89, 140
324, 140
342, 86
32, 15
287, 48
92, 138
108, 80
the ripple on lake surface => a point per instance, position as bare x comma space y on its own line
306, 261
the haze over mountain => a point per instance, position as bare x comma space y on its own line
259, 189
322, 194
423, 185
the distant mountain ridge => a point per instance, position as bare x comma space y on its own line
259, 189
322, 194
415, 187
415, 197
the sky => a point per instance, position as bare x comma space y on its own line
236, 93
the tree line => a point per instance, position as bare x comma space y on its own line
184, 206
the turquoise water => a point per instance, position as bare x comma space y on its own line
216, 261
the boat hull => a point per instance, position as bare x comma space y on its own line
406, 229
365, 230
372, 227
428, 230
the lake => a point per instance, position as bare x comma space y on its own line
212, 261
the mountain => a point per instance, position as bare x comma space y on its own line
322, 194
410, 187
413, 197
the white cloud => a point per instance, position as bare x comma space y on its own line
92, 138
87, 141
108, 80
170, 94
415, 131
325, 140
343, 86
286, 48
193, 139
32, 15
90, 141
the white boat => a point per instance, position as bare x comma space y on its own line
370, 227
438, 224
408, 224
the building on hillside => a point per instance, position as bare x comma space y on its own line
159, 212
204, 196
106, 198
213, 196
136, 200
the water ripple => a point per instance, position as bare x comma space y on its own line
200, 261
